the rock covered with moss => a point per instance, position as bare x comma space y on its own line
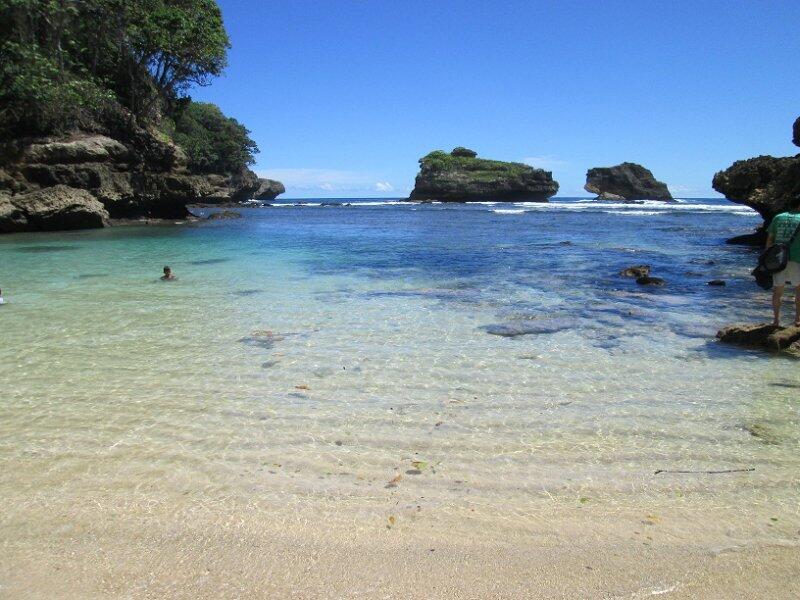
626, 181
461, 177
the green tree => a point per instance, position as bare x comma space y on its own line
66, 57
212, 141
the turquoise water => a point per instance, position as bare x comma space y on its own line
311, 353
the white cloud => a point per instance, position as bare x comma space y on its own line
548, 163
384, 186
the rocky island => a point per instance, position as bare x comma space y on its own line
767, 184
461, 176
626, 181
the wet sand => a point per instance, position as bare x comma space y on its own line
146, 546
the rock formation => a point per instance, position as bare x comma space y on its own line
461, 177
796, 132
83, 179
269, 189
778, 340
767, 184
224, 215
627, 181
636, 271
49, 209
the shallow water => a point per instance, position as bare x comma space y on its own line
339, 355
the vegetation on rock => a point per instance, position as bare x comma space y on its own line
69, 65
213, 142
459, 176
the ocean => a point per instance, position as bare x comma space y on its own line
383, 363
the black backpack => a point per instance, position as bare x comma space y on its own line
775, 258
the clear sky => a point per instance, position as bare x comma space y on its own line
344, 96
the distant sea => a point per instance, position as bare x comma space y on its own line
312, 353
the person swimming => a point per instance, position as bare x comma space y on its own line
168, 276
1, 297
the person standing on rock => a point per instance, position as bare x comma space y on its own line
780, 231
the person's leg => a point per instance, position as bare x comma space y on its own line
777, 298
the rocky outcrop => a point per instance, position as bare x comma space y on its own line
796, 132
224, 215
766, 184
777, 340
47, 183
461, 177
229, 187
627, 181
57, 208
269, 189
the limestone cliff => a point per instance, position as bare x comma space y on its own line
84, 179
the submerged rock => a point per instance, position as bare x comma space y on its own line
636, 271
263, 339
224, 214
717, 283
647, 280
626, 181
532, 327
783, 340
461, 177
767, 184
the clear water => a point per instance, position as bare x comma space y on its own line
313, 354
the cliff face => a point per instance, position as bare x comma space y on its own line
82, 180
626, 181
767, 184
460, 176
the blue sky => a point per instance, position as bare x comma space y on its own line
344, 96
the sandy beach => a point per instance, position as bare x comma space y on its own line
143, 547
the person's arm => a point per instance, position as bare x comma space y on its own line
772, 229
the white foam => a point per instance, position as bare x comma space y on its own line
508, 211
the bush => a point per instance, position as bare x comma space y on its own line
38, 97
213, 142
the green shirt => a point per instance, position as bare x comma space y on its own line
782, 228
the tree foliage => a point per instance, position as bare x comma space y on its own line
213, 142
65, 63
